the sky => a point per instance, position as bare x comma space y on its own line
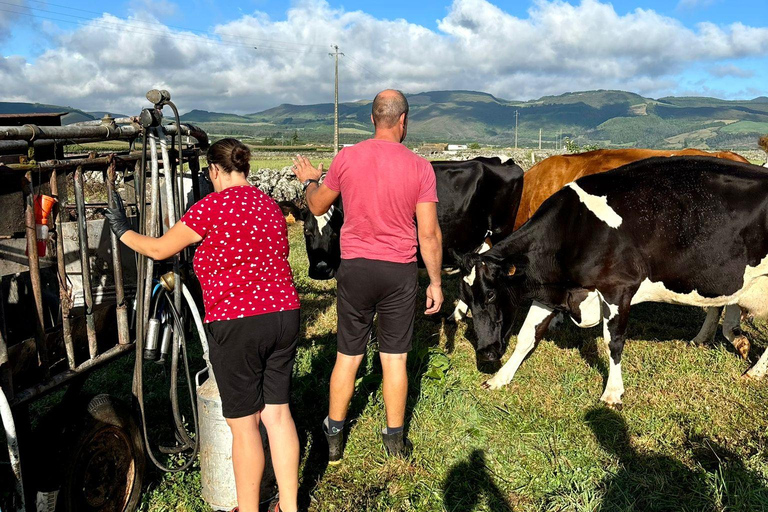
244, 56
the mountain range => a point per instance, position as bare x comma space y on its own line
604, 118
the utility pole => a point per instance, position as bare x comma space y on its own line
539, 138
336, 54
516, 113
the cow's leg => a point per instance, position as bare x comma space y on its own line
615, 319
758, 371
533, 330
732, 330
708, 330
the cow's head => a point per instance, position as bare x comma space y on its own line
494, 290
321, 234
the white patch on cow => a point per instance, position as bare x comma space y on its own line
460, 311
470, 278
591, 310
526, 339
597, 205
324, 219
752, 296
484, 248
760, 369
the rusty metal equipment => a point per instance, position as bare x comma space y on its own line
82, 304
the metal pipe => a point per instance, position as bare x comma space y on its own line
123, 333
6, 377
194, 168
64, 297
85, 163
30, 132
34, 274
56, 380
13, 447
151, 217
82, 232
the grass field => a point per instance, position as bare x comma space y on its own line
691, 436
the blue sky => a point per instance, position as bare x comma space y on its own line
513, 49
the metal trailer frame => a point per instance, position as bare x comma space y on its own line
54, 374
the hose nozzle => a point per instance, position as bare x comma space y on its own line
168, 281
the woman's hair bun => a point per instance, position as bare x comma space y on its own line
241, 158
231, 155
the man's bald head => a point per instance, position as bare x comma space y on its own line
387, 108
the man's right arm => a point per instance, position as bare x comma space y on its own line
431, 248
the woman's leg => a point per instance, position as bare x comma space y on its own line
284, 445
248, 460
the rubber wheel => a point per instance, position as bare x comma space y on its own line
105, 468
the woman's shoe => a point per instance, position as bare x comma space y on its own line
276, 508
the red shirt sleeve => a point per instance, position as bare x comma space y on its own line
199, 216
427, 184
331, 179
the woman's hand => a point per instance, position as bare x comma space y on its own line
118, 220
304, 170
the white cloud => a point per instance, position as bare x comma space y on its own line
9, 14
694, 4
731, 70
557, 47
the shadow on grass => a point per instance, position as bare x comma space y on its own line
468, 483
660, 483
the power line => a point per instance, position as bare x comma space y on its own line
149, 27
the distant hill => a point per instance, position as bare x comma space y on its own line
74, 115
605, 118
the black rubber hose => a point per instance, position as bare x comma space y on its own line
195, 445
174, 391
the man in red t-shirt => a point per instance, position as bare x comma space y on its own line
388, 191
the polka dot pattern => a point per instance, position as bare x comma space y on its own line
242, 262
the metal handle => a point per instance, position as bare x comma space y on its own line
197, 376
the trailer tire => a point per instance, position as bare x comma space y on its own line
105, 468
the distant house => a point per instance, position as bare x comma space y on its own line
456, 147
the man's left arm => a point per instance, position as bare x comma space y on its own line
319, 197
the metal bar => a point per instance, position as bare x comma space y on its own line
85, 163
31, 132
151, 218
123, 333
64, 296
34, 275
194, 167
6, 377
85, 266
9, 425
34, 391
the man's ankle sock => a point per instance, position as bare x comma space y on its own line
393, 430
333, 427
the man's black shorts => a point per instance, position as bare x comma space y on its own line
252, 359
366, 287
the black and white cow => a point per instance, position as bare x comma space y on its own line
478, 199
680, 230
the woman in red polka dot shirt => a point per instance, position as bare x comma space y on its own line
251, 313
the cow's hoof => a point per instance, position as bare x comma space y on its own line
491, 385
616, 406
742, 346
752, 375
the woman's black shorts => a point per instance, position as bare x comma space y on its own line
252, 359
366, 287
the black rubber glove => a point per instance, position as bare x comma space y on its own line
118, 221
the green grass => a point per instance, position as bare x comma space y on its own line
691, 436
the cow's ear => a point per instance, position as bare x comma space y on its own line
290, 208
462, 260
